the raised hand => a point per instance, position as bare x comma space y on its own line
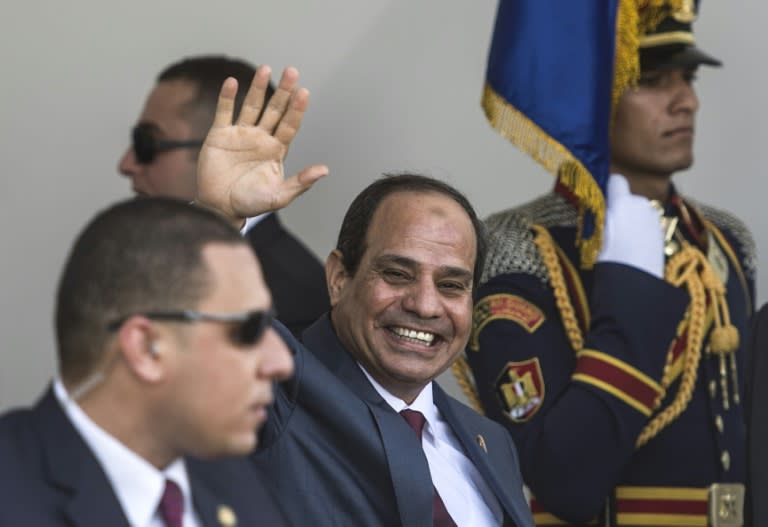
240, 170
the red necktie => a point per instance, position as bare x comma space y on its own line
172, 504
440, 516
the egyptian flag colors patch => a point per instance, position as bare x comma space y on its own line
520, 388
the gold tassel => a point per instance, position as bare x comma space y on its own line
691, 267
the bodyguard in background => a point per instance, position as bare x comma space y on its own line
162, 160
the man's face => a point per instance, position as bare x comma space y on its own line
652, 134
171, 173
406, 313
219, 391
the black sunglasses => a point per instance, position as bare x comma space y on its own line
247, 330
146, 146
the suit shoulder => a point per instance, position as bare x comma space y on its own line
20, 448
737, 232
511, 245
13, 423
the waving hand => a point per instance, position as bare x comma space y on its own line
240, 171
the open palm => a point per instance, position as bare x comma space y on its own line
240, 170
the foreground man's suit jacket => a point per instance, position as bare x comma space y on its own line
49, 478
337, 454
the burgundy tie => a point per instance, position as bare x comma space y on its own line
172, 504
440, 516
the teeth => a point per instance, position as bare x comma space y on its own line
421, 336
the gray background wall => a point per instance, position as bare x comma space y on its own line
395, 85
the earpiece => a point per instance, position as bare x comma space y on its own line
153, 350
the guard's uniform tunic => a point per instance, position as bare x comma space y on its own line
623, 392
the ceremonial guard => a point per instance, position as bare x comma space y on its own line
623, 391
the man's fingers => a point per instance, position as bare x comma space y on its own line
299, 183
291, 121
279, 101
254, 99
226, 104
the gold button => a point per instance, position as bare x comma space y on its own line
719, 424
725, 459
712, 389
226, 516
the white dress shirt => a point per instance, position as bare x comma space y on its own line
250, 222
137, 484
463, 490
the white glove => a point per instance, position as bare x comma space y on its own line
633, 233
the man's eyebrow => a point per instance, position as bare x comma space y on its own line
395, 259
404, 261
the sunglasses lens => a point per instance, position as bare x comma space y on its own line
143, 145
252, 329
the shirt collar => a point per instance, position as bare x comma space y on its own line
423, 403
250, 222
137, 484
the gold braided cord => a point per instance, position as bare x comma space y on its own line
683, 268
518, 129
579, 295
548, 252
463, 376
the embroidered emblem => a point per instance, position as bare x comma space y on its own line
507, 307
520, 386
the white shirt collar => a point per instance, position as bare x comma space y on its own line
250, 222
138, 485
423, 403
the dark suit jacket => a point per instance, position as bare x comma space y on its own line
758, 421
49, 477
338, 455
293, 274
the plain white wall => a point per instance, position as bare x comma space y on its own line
395, 85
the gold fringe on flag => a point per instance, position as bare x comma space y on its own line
514, 126
634, 18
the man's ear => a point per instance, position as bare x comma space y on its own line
336, 275
137, 342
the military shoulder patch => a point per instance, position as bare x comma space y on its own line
520, 388
507, 307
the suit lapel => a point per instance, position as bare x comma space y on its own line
406, 461
482, 460
408, 466
74, 470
